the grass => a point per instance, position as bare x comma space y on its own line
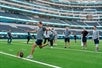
73, 57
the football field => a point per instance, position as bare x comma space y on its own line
56, 57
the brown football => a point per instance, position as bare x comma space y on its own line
21, 54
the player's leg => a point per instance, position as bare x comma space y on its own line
48, 41
65, 40
55, 40
75, 40
28, 40
96, 44
97, 47
68, 42
83, 42
33, 49
7, 40
45, 40
10, 40
51, 42
86, 45
43, 45
40, 44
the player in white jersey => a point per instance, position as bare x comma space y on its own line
96, 38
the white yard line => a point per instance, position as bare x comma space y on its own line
76, 50
34, 61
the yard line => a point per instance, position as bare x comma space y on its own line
42, 63
76, 50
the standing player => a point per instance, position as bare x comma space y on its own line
55, 36
28, 37
75, 37
96, 37
84, 38
67, 37
46, 36
51, 37
39, 39
9, 36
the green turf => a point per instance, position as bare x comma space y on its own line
73, 57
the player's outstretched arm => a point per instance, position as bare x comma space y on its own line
31, 30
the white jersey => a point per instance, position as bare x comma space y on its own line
95, 34
46, 34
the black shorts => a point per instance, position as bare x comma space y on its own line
47, 39
84, 39
39, 41
67, 39
96, 41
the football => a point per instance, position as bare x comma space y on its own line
20, 54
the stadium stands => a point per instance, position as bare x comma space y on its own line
4, 27
51, 11
75, 14
13, 15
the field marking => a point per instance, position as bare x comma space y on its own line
34, 61
76, 50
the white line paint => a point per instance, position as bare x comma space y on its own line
38, 62
77, 50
